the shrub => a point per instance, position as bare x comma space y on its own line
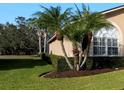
118, 62
54, 60
59, 63
89, 64
107, 62
45, 57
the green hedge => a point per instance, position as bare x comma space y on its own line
59, 63
103, 62
45, 57
89, 64
107, 62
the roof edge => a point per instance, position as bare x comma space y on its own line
112, 9
52, 38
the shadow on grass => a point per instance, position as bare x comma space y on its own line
7, 64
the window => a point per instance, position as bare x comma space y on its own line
105, 43
99, 46
112, 47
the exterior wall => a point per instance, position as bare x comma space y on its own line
116, 18
55, 48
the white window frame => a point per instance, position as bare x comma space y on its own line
106, 45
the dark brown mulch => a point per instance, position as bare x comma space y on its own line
77, 73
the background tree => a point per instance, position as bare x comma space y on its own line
42, 33
18, 39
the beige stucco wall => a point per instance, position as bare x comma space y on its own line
117, 19
55, 47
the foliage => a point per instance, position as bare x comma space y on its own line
89, 64
45, 57
103, 62
18, 39
84, 21
108, 62
59, 63
53, 18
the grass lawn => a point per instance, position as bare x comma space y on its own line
21, 72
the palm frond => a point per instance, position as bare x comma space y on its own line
79, 13
37, 14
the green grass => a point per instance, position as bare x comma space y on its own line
23, 74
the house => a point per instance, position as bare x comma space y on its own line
104, 42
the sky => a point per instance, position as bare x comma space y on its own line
9, 11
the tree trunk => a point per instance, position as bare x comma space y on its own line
80, 56
65, 55
85, 56
40, 45
45, 42
76, 56
85, 48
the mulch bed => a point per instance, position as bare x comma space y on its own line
78, 73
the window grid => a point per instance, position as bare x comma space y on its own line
105, 46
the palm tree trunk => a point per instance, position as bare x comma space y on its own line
59, 36
45, 42
87, 40
76, 56
40, 45
80, 56
85, 56
65, 55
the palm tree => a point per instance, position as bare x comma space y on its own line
55, 20
79, 31
73, 32
91, 21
